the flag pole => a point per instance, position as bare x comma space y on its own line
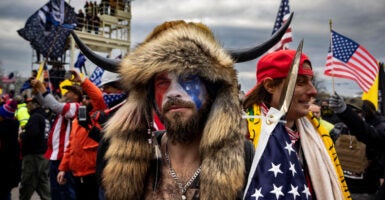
331, 51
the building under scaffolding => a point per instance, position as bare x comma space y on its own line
102, 27
105, 27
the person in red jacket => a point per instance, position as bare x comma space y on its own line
79, 157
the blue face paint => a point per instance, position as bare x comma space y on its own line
192, 85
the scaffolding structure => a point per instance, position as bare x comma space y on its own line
111, 30
103, 28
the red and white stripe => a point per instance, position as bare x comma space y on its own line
59, 135
362, 68
286, 38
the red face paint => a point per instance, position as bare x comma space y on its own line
161, 85
188, 88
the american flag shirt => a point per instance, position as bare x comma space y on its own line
279, 174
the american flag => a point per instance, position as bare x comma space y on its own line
111, 98
282, 16
351, 61
278, 173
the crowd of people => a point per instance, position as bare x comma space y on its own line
47, 148
89, 20
171, 124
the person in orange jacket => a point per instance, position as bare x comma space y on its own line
80, 154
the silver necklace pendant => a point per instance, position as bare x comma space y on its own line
172, 172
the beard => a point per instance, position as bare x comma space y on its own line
185, 130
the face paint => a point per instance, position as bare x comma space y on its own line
185, 88
192, 85
162, 83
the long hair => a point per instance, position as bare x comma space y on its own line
260, 95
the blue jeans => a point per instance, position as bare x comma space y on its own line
61, 192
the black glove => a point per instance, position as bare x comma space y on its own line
100, 117
337, 103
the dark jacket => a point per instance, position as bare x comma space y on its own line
9, 155
34, 139
367, 134
364, 131
378, 122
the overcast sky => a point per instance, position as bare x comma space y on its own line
236, 23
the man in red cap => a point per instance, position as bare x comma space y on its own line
296, 156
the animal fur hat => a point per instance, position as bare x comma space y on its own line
180, 47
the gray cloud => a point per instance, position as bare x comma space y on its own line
236, 24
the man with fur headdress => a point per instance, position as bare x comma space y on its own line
182, 73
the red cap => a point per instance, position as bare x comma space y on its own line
277, 65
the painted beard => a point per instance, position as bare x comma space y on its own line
184, 131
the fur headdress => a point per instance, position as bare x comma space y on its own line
180, 47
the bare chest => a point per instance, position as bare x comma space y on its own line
170, 189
